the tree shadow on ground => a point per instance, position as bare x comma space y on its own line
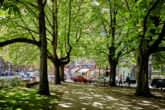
27, 99
79, 96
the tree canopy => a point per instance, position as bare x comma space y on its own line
106, 31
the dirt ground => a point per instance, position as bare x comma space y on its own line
80, 96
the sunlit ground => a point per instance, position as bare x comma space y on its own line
27, 99
79, 96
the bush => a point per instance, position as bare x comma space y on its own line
12, 82
15, 81
3, 83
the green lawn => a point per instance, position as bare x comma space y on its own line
27, 99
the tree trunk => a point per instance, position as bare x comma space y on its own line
142, 76
99, 72
57, 79
113, 65
107, 73
43, 85
62, 72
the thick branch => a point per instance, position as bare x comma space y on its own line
66, 62
158, 41
145, 19
45, 2
23, 40
69, 27
105, 30
159, 49
119, 54
66, 57
50, 56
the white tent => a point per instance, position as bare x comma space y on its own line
74, 70
83, 70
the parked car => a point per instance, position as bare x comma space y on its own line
156, 83
75, 75
92, 78
4, 73
81, 79
102, 80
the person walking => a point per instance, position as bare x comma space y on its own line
120, 80
128, 81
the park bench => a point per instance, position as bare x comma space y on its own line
30, 82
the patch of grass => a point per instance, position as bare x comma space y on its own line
27, 99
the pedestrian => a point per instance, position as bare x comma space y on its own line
120, 80
128, 81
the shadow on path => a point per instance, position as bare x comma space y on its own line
79, 96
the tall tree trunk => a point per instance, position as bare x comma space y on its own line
57, 79
113, 65
43, 85
62, 72
142, 75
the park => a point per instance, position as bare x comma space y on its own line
82, 54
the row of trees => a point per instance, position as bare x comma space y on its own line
53, 26
105, 30
129, 27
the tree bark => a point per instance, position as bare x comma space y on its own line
57, 79
113, 65
43, 85
142, 75
62, 72
99, 72
23, 40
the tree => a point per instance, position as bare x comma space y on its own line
43, 85
60, 35
148, 27
65, 34
42, 44
110, 22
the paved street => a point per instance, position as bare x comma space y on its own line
79, 96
